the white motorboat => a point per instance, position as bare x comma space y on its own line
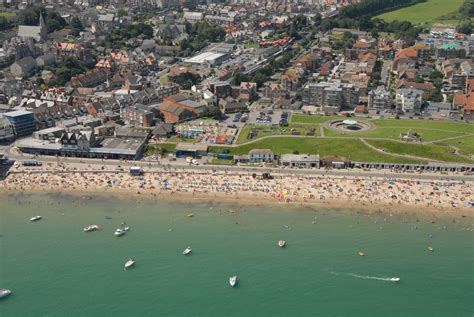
36, 218
126, 228
233, 280
187, 251
281, 243
90, 228
130, 262
119, 232
4, 292
395, 279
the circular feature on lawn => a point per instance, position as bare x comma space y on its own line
349, 125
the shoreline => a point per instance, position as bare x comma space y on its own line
185, 187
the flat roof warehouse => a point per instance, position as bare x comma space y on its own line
213, 58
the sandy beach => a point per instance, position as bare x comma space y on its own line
332, 191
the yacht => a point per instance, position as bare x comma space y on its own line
190, 215
233, 280
430, 248
281, 243
187, 251
395, 279
4, 292
90, 228
119, 232
360, 253
36, 218
130, 262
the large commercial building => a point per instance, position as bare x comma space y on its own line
6, 131
209, 58
23, 122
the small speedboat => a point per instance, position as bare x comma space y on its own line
119, 232
233, 280
281, 243
190, 215
187, 251
90, 228
360, 253
36, 218
4, 292
130, 262
430, 248
395, 279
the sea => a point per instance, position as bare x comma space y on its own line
54, 268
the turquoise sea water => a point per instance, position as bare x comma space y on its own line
55, 269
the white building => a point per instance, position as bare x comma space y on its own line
409, 100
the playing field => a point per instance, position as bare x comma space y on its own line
425, 12
353, 149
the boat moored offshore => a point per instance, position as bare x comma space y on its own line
187, 251
233, 280
4, 292
281, 243
130, 262
90, 228
36, 218
119, 232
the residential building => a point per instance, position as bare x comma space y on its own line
408, 100
261, 155
248, 91
6, 131
331, 96
137, 116
380, 99
24, 66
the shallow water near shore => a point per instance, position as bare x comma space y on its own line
56, 269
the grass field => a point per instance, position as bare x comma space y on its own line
394, 133
425, 12
165, 147
263, 131
6, 14
465, 145
353, 149
310, 119
433, 152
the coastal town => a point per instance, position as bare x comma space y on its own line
236, 157
312, 85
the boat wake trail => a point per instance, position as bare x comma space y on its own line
365, 277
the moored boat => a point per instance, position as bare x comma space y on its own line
90, 228
130, 262
430, 248
360, 253
4, 292
119, 232
281, 243
233, 280
190, 215
36, 218
187, 251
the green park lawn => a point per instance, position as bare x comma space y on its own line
429, 130
6, 14
311, 119
353, 149
465, 144
165, 147
424, 12
428, 151
263, 131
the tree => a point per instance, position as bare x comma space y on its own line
76, 26
464, 27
